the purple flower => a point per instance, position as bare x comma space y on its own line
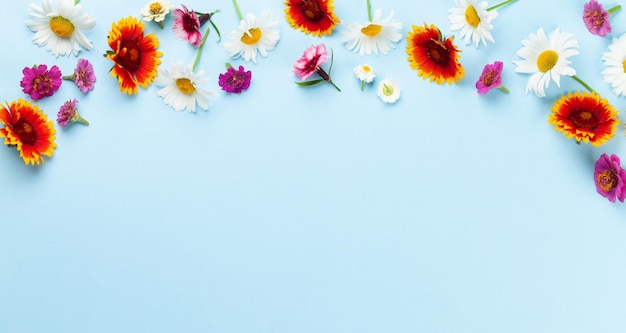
39, 82
609, 177
235, 80
490, 78
596, 18
68, 113
84, 76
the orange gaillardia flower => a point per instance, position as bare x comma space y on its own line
27, 128
584, 116
434, 56
135, 56
314, 17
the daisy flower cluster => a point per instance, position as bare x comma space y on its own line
135, 54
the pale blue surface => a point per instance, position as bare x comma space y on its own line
290, 209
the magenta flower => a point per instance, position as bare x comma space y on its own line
597, 19
312, 58
68, 113
235, 80
187, 24
609, 177
84, 76
490, 78
39, 82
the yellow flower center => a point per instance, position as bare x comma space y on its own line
61, 26
252, 36
155, 8
624, 66
471, 16
368, 69
607, 179
185, 86
371, 30
387, 90
546, 60
25, 131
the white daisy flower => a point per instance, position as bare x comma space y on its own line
183, 88
474, 21
388, 90
546, 59
253, 35
615, 61
60, 31
376, 35
364, 73
156, 10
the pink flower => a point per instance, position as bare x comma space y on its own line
490, 78
609, 177
39, 82
312, 58
68, 113
84, 76
597, 19
186, 25
235, 80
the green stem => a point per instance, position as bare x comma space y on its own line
69, 77
237, 10
195, 62
362, 85
334, 85
503, 88
500, 4
369, 10
76, 2
160, 23
614, 9
582, 83
82, 121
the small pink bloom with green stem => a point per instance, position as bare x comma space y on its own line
84, 76
312, 58
490, 78
68, 113
596, 18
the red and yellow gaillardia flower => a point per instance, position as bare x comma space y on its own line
135, 56
314, 17
27, 128
585, 117
434, 56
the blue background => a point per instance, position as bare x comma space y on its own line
291, 209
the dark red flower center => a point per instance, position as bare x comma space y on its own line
236, 81
189, 23
584, 119
130, 55
312, 64
311, 10
607, 179
25, 131
437, 52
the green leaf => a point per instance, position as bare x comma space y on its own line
309, 83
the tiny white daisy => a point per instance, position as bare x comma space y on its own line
474, 21
253, 35
388, 90
615, 61
364, 73
156, 10
376, 35
60, 31
183, 88
546, 59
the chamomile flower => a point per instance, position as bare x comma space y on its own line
388, 90
365, 74
546, 59
60, 30
614, 61
183, 88
473, 20
375, 35
253, 35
